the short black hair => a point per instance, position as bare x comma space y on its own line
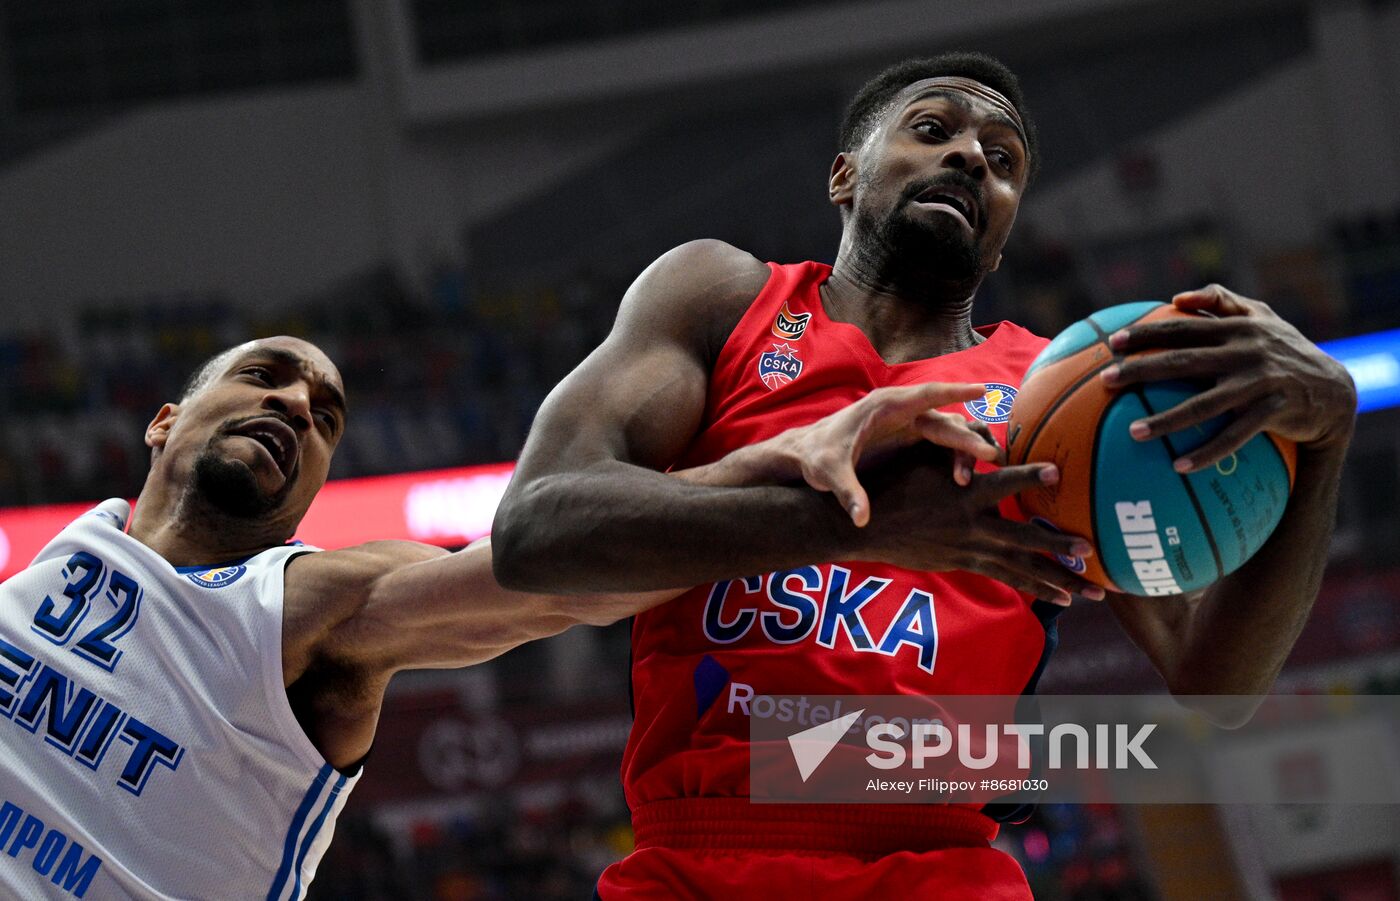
876, 95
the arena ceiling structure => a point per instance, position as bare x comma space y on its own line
640, 103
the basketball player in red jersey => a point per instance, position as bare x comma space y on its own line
911, 583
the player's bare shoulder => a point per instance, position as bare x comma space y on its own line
698, 290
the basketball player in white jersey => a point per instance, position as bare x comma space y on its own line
184, 706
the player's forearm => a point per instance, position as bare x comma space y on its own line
620, 528
447, 610
1241, 633
757, 464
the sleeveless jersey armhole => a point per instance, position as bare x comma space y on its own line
736, 334
278, 704
757, 319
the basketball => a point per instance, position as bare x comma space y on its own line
1155, 531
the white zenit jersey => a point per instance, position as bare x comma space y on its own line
147, 747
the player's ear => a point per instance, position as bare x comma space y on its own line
842, 184
159, 429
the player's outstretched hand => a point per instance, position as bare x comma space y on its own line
1266, 374
829, 453
924, 520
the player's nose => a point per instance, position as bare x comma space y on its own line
965, 154
293, 402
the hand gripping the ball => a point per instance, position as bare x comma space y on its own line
1266, 374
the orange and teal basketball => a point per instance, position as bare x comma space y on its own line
1154, 530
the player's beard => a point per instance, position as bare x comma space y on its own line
940, 247
231, 488
932, 258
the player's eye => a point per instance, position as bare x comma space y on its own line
261, 373
931, 127
1002, 159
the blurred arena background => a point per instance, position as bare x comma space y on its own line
450, 197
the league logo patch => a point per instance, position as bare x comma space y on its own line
1073, 564
218, 577
995, 405
789, 326
779, 366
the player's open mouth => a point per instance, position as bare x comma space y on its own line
958, 200
276, 437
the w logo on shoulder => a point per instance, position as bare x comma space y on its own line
790, 326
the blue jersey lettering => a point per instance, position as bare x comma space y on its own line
803, 605
843, 610
72, 871
917, 611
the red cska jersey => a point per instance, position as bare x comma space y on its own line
835, 628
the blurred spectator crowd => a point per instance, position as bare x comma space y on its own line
435, 380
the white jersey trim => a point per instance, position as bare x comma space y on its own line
324, 795
274, 677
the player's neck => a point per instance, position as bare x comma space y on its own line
902, 324
187, 533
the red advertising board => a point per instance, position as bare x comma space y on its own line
447, 507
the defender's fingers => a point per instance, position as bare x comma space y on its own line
981, 428
908, 401
984, 430
856, 503
832, 472
944, 393
952, 431
962, 469
886, 414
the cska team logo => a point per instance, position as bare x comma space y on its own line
779, 366
218, 577
995, 405
788, 326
